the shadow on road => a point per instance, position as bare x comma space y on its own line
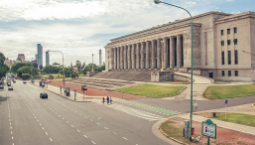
2, 98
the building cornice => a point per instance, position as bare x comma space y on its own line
167, 25
235, 17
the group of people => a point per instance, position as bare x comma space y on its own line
108, 99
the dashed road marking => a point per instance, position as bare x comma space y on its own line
114, 132
125, 138
46, 133
67, 122
72, 125
85, 136
42, 128
105, 127
93, 142
98, 124
91, 120
50, 139
78, 130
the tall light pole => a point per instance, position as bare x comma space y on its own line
191, 67
31, 69
92, 62
62, 63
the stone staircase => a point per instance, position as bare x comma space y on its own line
144, 76
101, 83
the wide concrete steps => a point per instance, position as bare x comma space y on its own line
101, 83
126, 75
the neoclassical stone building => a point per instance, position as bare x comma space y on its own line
219, 41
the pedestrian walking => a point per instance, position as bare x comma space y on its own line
103, 100
107, 100
111, 100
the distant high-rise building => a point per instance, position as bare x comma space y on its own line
39, 55
10, 62
47, 58
36, 58
21, 58
100, 57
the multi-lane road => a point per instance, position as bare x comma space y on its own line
25, 119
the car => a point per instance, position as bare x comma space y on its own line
14, 81
1, 86
44, 95
10, 88
24, 82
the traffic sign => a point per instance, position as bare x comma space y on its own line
226, 101
84, 85
209, 129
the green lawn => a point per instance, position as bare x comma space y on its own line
82, 75
152, 90
238, 118
173, 82
222, 92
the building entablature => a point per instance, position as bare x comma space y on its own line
235, 17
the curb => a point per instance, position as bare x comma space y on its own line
253, 105
168, 135
64, 97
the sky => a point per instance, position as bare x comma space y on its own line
79, 28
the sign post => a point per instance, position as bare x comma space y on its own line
209, 129
83, 89
226, 102
74, 95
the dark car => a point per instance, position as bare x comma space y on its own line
10, 88
24, 82
43, 95
1, 86
14, 81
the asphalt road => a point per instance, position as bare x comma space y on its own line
25, 119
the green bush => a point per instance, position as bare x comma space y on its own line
26, 76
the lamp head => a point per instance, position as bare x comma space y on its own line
157, 1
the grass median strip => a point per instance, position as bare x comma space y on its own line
149, 107
152, 90
223, 92
239, 118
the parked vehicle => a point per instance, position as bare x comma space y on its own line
44, 95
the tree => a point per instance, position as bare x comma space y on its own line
89, 68
41, 67
18, 65
26, 69
51, 69
35, 65
3, 68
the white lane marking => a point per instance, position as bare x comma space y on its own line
12, 137
50, 139
67, 122
10, 127
11, 132
72, 125
91, 120
42, 128
98, 124
63, 118
46, 133
93, 142
85, 116
85, 136
37, 120
78, 130
125, 138
10, 123
105, 127
114, 132
12, 143
59, 115
40, 124
80, 113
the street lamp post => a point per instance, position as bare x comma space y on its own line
62, 63
191, 67
31, 69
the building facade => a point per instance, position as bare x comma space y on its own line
219, 40
39, 55
47, 58
21, 58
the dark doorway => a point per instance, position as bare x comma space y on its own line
211, 75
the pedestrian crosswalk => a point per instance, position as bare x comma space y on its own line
143, 111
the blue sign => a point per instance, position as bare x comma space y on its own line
84, 86
226, 101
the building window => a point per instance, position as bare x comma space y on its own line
228, 31
229, 57
229, 73
235, 41
235, 30
223, 73
222, 43
222, 58
236, 73
222, 32
236, 57
229, 42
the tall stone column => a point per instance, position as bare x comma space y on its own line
165, 53
133, 56
142, 55
147, 64
172, 56
125, 57
121, 57
159, 53
137, 56
153, 61
178, 51
115, 58
129, 57
112, 58
118, 58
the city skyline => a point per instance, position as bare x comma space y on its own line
91, 24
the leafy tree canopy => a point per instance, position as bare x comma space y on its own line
26, 69
18, 65
51, 69
3, 68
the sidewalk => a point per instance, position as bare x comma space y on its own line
79, 96
223, 124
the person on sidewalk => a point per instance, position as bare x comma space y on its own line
103, 100
111, 100
107, 100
